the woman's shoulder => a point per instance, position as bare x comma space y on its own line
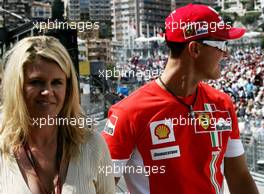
94, 137
95, 145
1, 158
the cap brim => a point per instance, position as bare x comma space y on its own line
229, 34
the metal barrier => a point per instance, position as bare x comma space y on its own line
253, 142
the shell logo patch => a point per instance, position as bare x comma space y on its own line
204, 120
162, 131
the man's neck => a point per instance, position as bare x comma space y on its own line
179, 78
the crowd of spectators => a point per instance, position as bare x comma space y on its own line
242, 79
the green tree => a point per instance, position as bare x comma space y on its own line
57, 10
262, 43
105, 30
218, 8
249, 18
228, 17
262, 26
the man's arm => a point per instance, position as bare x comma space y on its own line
120, 138
238, 177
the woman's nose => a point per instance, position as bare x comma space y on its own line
46, 90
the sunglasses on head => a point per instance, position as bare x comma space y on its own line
219, 44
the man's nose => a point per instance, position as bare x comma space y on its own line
226, 54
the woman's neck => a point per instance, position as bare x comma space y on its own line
44, 136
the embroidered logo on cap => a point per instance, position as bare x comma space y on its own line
195, 29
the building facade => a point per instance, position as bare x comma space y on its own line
138, 17
241, 7
20, 7
99, 49
135, 18
181, 3
84, 10
40, 10
100, 10
97, 11
73, 10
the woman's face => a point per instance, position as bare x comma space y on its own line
44, 88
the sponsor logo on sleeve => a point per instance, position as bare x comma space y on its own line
110, 125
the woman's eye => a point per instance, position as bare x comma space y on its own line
35, 82
57, 82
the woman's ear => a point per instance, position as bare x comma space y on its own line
194, 49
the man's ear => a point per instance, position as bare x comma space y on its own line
194, 49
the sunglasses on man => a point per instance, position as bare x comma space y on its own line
219, 44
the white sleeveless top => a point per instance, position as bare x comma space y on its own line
85, 176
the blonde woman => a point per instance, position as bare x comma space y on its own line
42, 151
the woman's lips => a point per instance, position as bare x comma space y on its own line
45, 103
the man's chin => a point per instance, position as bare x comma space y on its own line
216, 75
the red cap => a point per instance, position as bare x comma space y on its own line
193, 22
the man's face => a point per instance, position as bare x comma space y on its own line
207, 64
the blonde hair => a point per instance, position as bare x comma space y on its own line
15, 117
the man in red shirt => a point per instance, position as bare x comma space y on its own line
178, 135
